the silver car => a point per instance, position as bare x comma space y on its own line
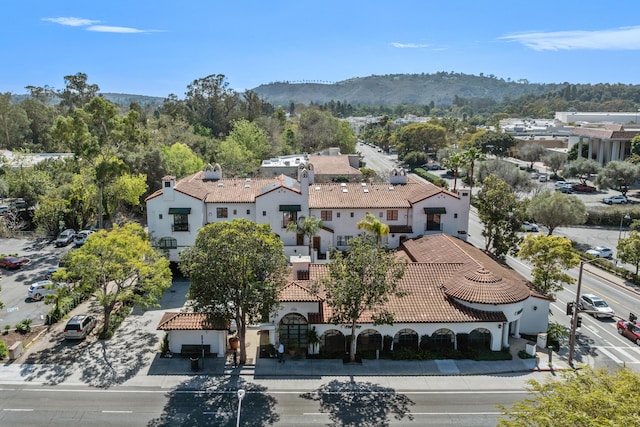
595, 306
79, 326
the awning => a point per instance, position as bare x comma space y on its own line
435, 210
290, 208
179, 211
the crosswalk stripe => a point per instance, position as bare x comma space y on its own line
609, 354
634, 360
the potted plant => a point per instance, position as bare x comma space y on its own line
233, 343
313, 340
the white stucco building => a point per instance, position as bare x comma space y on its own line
409, 207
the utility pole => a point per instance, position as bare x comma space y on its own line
576, 312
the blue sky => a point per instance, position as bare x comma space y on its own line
159, 47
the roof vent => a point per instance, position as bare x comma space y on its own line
247, 186
247, 179
366, 190
364, 184
318, 188
220, 184
344, 190
343, 184
391, 188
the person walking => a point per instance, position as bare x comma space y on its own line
281, 353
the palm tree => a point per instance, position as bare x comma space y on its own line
455, 162
308, 227
472, 155
374, 226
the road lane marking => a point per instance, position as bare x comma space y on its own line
594, 330
117, 412
609, 354
17, 410
419, 413
634, 360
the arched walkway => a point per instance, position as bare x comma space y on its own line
480, 338
332, 342
369, 341
443, 339
405, 338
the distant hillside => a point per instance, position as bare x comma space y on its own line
414, 89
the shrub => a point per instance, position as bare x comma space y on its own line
3, 350
6, 329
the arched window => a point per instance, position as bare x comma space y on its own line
369, 340
443, 339
292, 330
480, 338
405, 338
332, 342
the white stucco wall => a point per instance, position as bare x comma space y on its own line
535, 316
216, 339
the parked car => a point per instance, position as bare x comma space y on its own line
596, 305
601, 252
616, 200
584, 188
630, 330
567, 189
79, 326
543, 177
82, 237
4, 209
19, 204
560, 184
13, 262
530, 226
65, 237
51, 270
39, 290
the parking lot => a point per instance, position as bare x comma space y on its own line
42, 255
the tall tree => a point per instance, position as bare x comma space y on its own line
471, 157
180, 160
582, 397
501, 214
551, 256
454, 162
497, 143
582, 169
213, 104
236, 270
555, 161
77, 92
14, 123
422, 137
120, 265
362, 280
554, 209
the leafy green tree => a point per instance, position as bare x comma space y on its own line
501, 214
308, 228
531, 153
584, 397
421, 137
14, 123
551, 256
555, 161
28, 184
77, 92
582, 169
518, 180
373, 225
362, 280
635, 145
454, 162
211, 103
236, 270
319, 130
180, 160
554, 209
121, 266
251, 138
235, 159
497, 143
50, 214
629, 249
346, 138
619, 175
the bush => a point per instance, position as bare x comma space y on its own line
3, 350
435, 180
7, 328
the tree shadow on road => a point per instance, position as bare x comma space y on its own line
213, 401
361, 404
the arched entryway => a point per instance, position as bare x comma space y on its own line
332, 342
405, 339
443, 339
292, 330
480, 338
368, 342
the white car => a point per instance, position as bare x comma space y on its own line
82, 237
39, 290
79, 326
530, 226
595, 305
601, 252
616, 200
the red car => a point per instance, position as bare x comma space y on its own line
584, 188
629, 330
13, 262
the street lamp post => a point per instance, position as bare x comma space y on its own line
626, 216
574, 319
241, 393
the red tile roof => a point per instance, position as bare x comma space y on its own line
172, 321
442, 272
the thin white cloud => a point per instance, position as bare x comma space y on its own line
409, 45
112, 29
71, 21
626, 38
